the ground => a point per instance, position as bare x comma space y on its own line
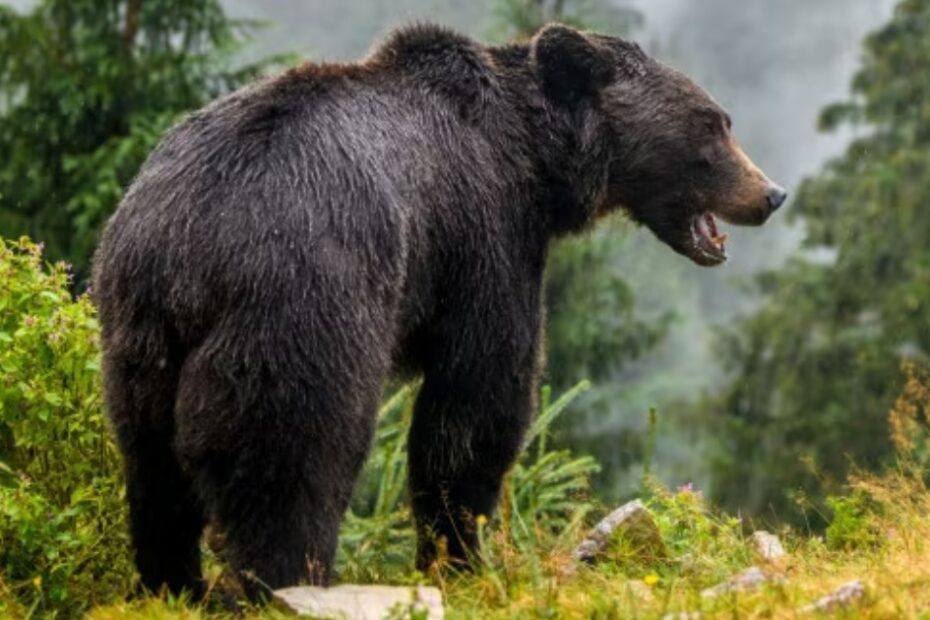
883, 540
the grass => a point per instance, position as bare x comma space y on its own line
890, 519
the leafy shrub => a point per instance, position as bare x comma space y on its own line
854, 522
909, 419
63, 542
856, 515
377, 540
547, 489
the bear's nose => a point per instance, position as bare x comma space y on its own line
776, 197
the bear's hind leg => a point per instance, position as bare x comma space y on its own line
275, 449
166, 521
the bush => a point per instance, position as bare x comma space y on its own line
909, 419
63, 543
854, 521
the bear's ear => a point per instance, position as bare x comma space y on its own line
570, 65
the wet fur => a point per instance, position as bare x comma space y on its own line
286, 249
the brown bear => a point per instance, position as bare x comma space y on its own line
291, 246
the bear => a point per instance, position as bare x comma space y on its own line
294, 245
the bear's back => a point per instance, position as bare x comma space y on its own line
323, 172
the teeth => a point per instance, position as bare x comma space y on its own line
720, 239
703, 228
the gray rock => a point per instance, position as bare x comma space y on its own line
632, 522
843, 597
768, 546
638, 592
749, 579
359, 602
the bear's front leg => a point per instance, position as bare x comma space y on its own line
469, 422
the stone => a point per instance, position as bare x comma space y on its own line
768, 546
632, 522
749, 579
638, 592
843, 597
361, 602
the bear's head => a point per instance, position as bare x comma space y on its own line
671, 159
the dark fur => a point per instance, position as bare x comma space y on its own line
287, 247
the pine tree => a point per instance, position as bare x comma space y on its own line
817, 368
86, 89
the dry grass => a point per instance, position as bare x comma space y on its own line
895, 572
705, 548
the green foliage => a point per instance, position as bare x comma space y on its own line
650, 447
909, 419
86, 89
854, 523
702, 542
816, 368
62, 535
547, 489
378, 540
593, 328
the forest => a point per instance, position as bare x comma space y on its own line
786, 392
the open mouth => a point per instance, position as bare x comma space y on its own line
709, 245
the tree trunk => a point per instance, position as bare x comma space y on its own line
132, 23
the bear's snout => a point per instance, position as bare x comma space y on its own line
753, 196
775, 196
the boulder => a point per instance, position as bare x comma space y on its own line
360, 602
768, 547
842, 598
631, 522
749, 579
